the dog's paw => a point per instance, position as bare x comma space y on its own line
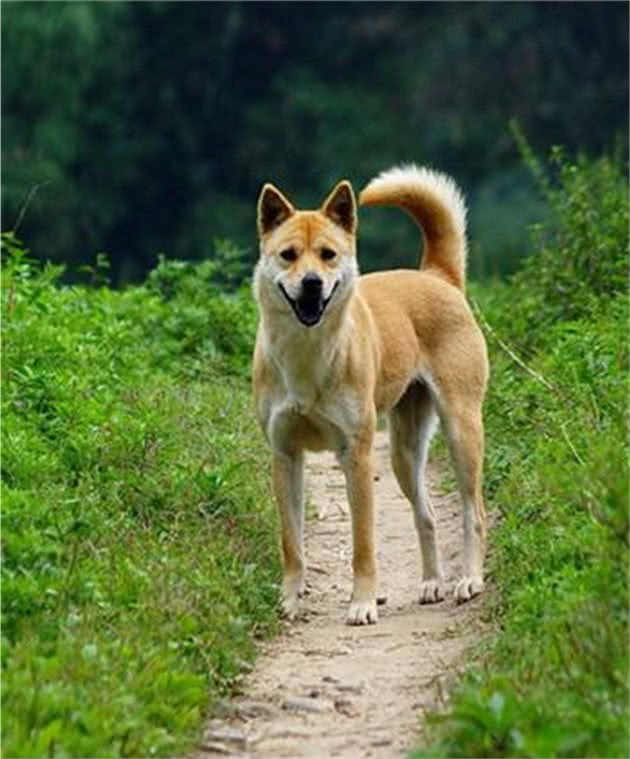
362, 613
431, 591
293, 589
467, 588
291, 607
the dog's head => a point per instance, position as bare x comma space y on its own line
307, 263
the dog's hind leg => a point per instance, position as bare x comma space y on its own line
411, 426
464, 432
288, 485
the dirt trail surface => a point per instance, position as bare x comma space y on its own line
323, 689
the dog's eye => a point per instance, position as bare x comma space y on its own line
289, 254
328, 254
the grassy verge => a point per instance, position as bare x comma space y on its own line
139, 545
552, 681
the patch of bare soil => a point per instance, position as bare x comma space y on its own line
323, 689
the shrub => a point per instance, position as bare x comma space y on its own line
139, 545
552, 681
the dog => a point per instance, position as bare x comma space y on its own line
334, 349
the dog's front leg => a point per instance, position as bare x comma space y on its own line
357, 465
288, 488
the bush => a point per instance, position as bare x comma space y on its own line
553, 679
581, 258
139, 560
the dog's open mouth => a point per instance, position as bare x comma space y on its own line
309, 308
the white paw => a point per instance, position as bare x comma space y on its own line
431, 591
467, 588
292, 591
290, 607
362, 613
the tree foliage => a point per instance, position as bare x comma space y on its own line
151, 126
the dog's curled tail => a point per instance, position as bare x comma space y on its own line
437, 205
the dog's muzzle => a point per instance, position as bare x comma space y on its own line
310, 305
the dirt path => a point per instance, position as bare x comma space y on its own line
323, 689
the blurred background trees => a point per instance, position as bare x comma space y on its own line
145, 127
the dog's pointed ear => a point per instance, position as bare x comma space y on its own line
273, 209
341, 207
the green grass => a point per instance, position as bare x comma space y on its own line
139, 543
551, 679
140, 557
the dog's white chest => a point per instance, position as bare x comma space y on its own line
307, 409
312, 421
289, 428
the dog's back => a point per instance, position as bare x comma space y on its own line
424, 326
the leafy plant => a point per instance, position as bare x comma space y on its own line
552, 680
138, 536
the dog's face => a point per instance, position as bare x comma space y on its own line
307, 265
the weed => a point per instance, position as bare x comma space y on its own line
552, 682
139, 542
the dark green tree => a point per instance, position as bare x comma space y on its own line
151, 126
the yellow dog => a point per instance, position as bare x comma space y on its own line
334, 349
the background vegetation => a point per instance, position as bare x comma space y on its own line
139, 559
137, 525
138, 534
553, 680
147, 128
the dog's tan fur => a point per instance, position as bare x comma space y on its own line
401, 342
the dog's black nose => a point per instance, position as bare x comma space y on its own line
312, 283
